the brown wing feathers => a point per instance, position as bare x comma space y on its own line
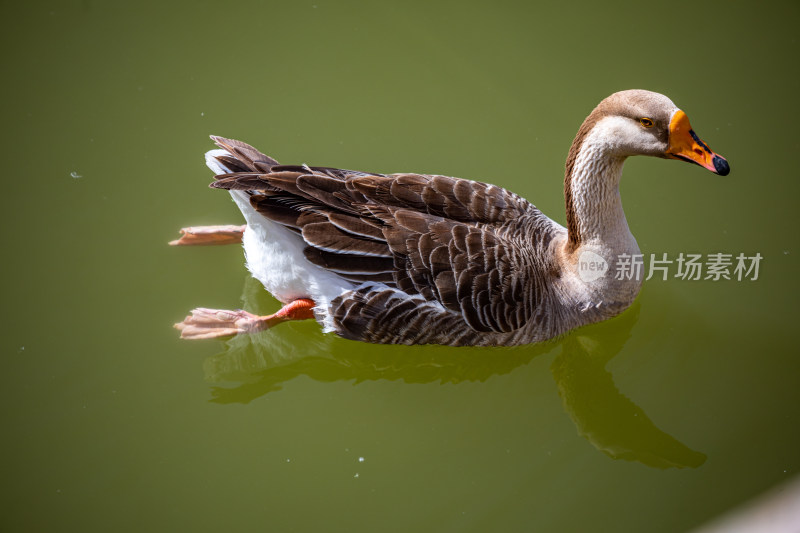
244, 157
437, 237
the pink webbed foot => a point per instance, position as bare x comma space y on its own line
209, 235
215, 323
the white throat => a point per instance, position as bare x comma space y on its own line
601, 226
595, 192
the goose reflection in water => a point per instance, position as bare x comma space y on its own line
605, 417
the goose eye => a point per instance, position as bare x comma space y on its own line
646, 122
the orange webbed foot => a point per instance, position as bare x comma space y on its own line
206, 323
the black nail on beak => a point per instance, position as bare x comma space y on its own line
721, 166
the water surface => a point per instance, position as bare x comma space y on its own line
659, 420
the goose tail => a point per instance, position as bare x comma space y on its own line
235, 156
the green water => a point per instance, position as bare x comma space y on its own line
680, 409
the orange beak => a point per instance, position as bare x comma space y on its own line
684, 144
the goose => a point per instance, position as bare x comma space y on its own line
431, 259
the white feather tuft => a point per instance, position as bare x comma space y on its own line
213, 163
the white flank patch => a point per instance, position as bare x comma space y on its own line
275, 257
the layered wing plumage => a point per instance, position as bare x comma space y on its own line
426, 252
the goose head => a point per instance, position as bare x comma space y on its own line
627, 123
638, 122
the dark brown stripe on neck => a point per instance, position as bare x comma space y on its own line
573, 232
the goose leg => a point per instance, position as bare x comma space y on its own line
209, 235
213, 323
